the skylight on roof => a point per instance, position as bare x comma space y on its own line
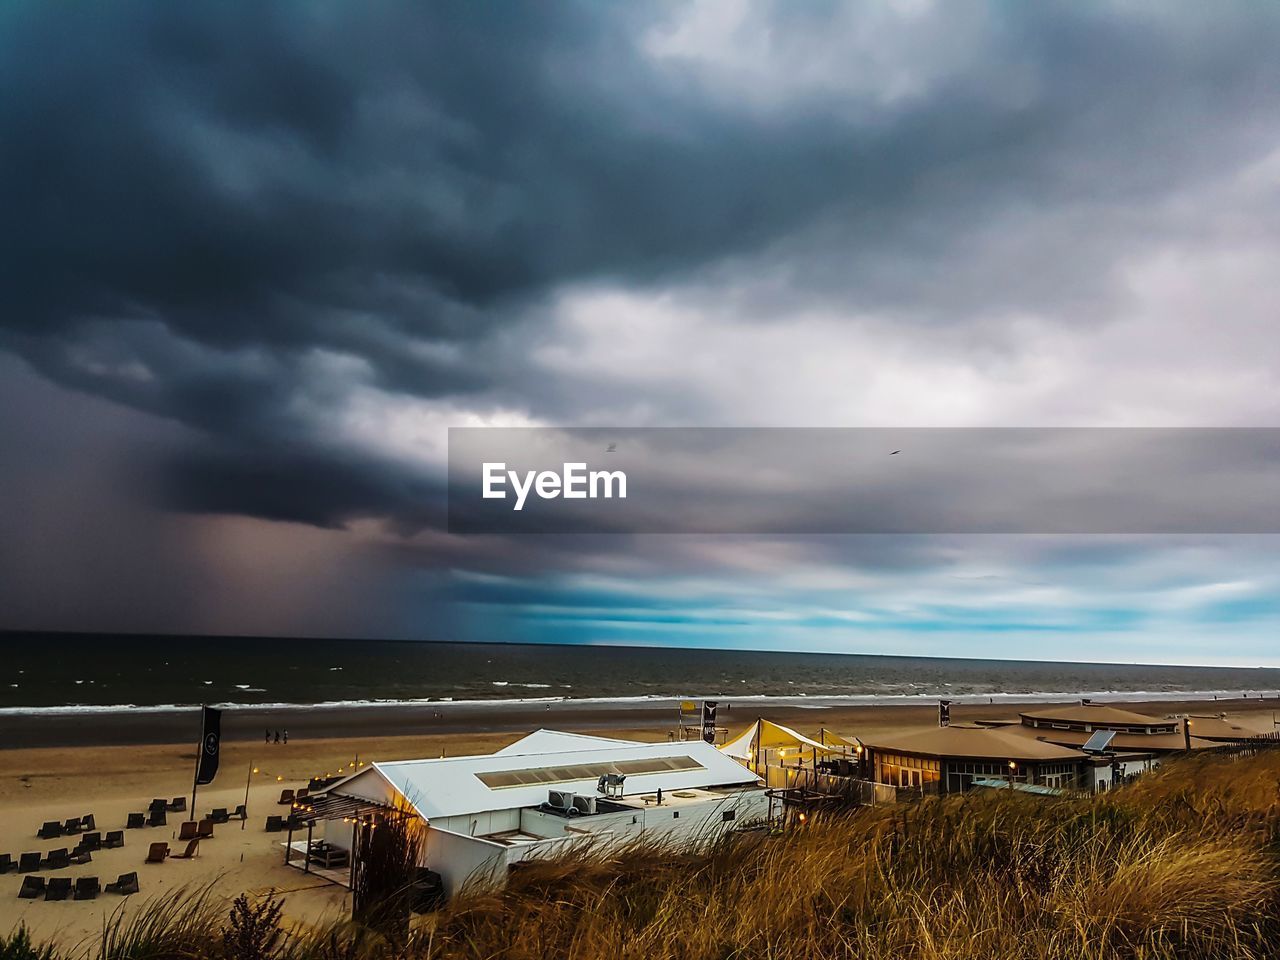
500, 779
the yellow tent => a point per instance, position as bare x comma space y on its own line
834, 739
767, 735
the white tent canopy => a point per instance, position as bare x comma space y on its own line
767, 735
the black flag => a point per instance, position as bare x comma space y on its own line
709, 720
210, 742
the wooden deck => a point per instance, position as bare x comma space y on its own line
298, 860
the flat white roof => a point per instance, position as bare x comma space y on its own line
452, 786
557, 741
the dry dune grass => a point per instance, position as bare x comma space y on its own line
1183, 864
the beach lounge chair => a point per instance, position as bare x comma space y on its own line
58, 859
275, 824
219, 815
205, 829
6, 863
91, 841
87, 822
29, 863
113, 839
159, 803
157, 852
59, 888
192, 849
86, 888
51, 829
135, 821
286, 796
156, 818
178, 805
302, 794
81, 856
241, 812
71, 826
32, 888
126, 884
188, 830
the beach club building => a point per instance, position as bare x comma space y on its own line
1086, 747
1135, 741
540, 795
1074, 724
949, 759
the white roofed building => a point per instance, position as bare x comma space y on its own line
549, 790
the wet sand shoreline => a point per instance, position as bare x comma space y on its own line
249, 724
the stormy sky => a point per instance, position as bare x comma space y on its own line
257, 260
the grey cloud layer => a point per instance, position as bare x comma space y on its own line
248, 221
203, 197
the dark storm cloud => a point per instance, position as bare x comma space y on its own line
325, 489
203, 199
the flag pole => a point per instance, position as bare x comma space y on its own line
247, 780
195, 774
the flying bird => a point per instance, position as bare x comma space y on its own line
611, 448
895, 453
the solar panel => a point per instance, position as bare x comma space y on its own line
1100, 740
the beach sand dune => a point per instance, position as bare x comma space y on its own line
47, 783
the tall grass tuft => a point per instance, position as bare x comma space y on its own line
386, 863
18, 946
183, 923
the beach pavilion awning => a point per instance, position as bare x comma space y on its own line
835, 740
340, 806
767, 735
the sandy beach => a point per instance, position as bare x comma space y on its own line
110, 765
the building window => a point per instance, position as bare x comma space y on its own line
729, 815
901, 770
676, 815
961, 774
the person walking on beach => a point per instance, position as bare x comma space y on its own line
286, 735
277, 736
268, 740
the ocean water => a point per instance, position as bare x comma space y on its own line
50, 672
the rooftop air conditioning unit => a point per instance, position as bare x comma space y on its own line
585, 805
560, 800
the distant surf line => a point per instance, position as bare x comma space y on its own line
816, 701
